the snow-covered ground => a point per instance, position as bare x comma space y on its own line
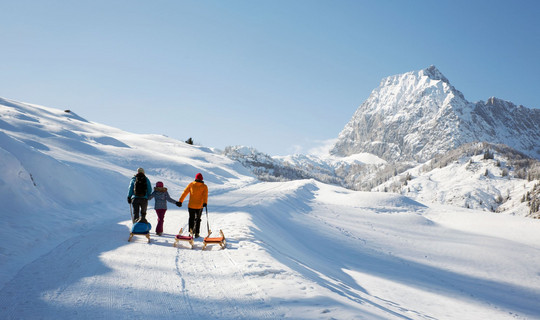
298, 250
469, 182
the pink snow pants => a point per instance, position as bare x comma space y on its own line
160, 219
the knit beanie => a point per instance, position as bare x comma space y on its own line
199, 177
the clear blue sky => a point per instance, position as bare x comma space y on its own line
280, 76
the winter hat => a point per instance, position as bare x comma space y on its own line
140, 170
199, 176
159, 184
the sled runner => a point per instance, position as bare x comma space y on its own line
216, 240
140, 228
180, 237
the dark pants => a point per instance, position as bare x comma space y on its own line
160, 219
139, 204
195, 220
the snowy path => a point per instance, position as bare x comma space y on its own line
298, 250
101, 276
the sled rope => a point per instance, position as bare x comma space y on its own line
207, 223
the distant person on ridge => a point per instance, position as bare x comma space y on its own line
139, 191
161, 196
198, 198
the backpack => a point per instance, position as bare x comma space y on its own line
140, 187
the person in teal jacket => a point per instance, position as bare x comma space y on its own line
140, 189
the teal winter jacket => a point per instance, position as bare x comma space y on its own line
132, 185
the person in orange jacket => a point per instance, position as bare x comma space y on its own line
198, 198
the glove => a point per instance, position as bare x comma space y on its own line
178, 204
129, 200
204, 205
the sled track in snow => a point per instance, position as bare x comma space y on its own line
185, 296
212, 277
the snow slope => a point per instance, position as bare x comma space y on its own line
469, 180
62, 173
299, 249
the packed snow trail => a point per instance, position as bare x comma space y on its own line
298, 250
100, 275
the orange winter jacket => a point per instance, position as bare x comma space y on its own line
198, 194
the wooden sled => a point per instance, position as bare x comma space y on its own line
131, 234
180, 237
140, 228
216, 240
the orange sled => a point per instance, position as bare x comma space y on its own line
180, 237
216, 240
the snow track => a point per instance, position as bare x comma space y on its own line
99, 275
212, 279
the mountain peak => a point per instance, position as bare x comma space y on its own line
419, 80
418, 114
433, 73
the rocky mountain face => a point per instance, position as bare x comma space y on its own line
419, 114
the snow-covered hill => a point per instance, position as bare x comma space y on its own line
61, 173
480, 176
507, 183
419, 114
328, 169
297, 249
